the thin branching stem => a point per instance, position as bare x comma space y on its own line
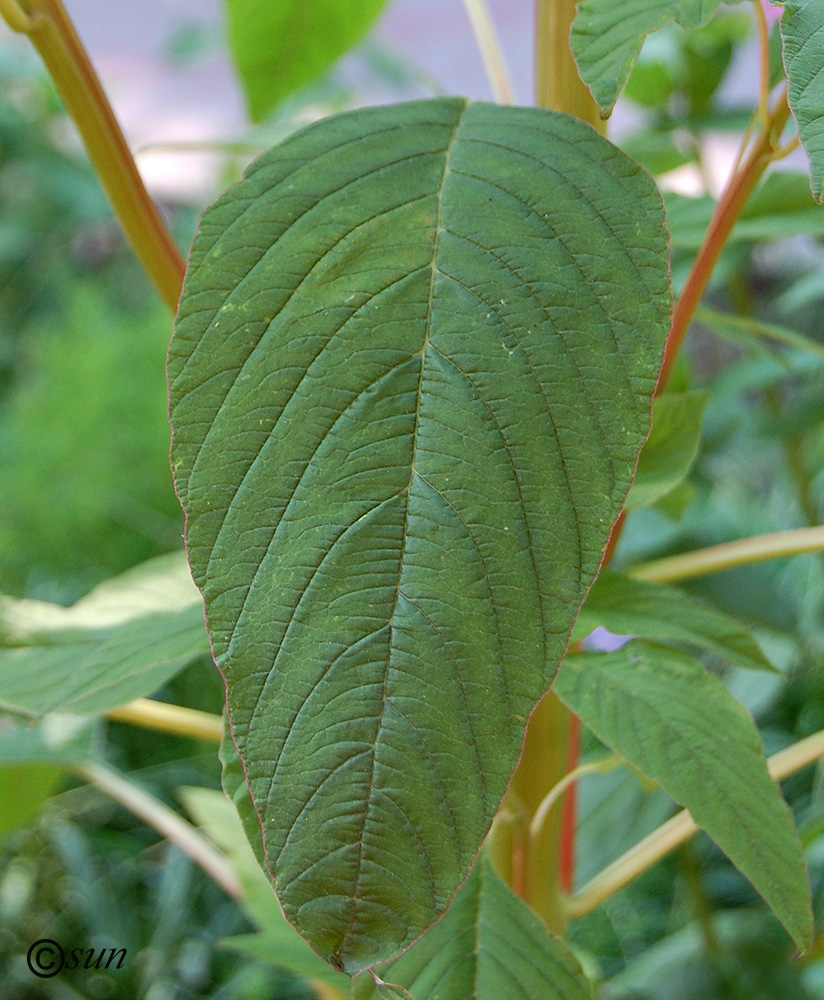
602, 766
167, 823
729, 555
15, 17
741, 185
489, 43
52, 33
764, 60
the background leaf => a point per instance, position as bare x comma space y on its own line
607, 37
661, 711
802, 31
655, 611
407, 397
673, 444
489, 945
122, 641
780, 208
276, 940
56, 739
278, 47
33, 759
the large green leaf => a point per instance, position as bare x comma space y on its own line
673, 444
661, 711
489, 945
122, 641
655, 611
802, 31
411, 373
607, 36
280, 46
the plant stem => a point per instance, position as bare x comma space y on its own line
52, 33
569, 814
165, 718
558, 86
764, 59
544, 762
167, 822
14, 16
603, 766
678, 829
738, 190
491, 51
717, 558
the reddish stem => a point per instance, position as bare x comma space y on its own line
741, 185
738, 190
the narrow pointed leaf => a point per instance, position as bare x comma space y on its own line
280, 46
802, 31
489, 945
607, 36
661, 711
673, 444
411, 373
656, 611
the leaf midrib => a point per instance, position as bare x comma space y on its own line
405, 532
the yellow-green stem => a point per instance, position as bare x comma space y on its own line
558, 85
164, 718
544, 762
676, 830
52, 33
491, 51
717, 558
603, 766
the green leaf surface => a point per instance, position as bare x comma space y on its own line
279, 47
122, 641
277, 941
655, 611
489, 945
56, 739
33, 759
672, 447
23, 790
410, 377
662, 712
607, 36
802, 32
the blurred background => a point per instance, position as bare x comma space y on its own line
85, 489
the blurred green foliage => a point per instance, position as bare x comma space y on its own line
84, 447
